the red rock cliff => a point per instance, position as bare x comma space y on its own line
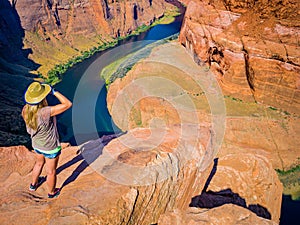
65, 18
252, 46
63, 28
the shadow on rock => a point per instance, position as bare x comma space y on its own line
87, 153
211, 199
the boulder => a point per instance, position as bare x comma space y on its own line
242, 188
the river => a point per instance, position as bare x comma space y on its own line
89, 118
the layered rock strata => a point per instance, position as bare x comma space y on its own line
130, 181
135, 179
56, 31
222, 215
66, 18
164, 87
227, 199
252, 47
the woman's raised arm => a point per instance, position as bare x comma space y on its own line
63, 106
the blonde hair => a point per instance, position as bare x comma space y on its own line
31, 112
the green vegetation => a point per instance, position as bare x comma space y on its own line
287, 172
137, 31
272, 108
290, 180
136, 117
233, 98
169, 17
55, 74
119, 68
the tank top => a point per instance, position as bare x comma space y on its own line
45, 137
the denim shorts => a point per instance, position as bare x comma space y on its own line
49, 154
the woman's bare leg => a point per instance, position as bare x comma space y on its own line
51, 165
37, 169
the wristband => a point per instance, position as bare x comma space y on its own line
53, 91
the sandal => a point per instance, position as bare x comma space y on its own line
56, 193
34, 187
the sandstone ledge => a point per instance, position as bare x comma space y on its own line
222, 215
93, 188
98, 186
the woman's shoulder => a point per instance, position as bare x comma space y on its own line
45, 112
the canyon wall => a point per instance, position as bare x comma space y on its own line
65, 18
248, 125
57, 30
252, 47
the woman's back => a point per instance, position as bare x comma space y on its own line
45, 137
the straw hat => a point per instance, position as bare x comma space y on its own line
36, 92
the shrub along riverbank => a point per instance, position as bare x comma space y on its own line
290, 180
55, 74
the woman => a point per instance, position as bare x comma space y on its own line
41, 125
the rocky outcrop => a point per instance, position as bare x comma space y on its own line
132, 100
134, 179
238, 191
252, 47
222, 215
231, 184
130, 181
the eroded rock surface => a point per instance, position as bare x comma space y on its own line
130, 181
65, 17
222, 215
139, 176
242, 188
261, 193
252, 47
167, 83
